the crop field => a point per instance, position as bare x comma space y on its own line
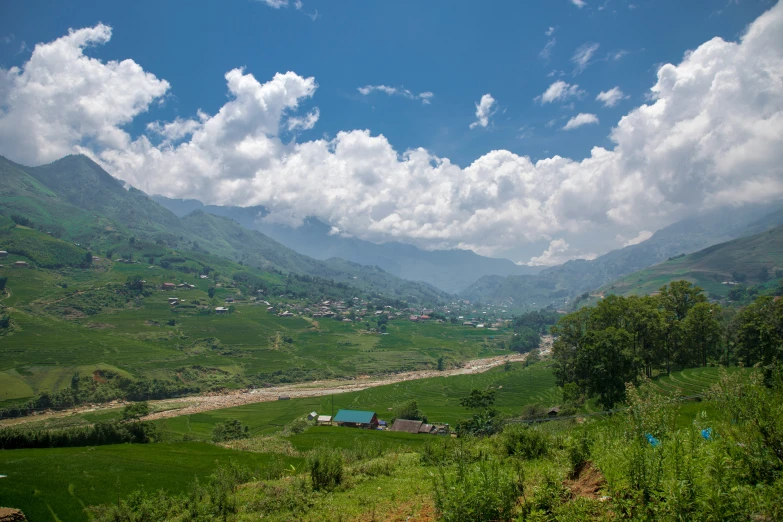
56, 484
69, 321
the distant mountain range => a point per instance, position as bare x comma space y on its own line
557, 284
450, 270
756, 259
74, 198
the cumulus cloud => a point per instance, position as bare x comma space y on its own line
709, 135
559, 91
484, 110
611, 97
579, 120
558, 253
582, 56
424, 97
276, 4
579, 3
644, 235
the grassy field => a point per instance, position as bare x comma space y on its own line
51, 339
56, 484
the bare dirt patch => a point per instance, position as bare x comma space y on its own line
588, 482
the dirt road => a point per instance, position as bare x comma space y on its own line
200, 403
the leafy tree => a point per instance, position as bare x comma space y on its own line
211, 292
231, 429
88, 259
3, 282
440, 364
478, 400
676, 300
759, 331
606, 364
135, 411
703, 334
409, 410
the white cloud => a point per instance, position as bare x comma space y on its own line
546, 52
579, 3
559, 91
644, 235
550, 31
582, 56
611, 97
579, 120
484, 111
558, 253
424, 97
710, 135
277, 4
306, 122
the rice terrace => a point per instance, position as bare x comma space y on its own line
292, 260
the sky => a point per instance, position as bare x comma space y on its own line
538, 130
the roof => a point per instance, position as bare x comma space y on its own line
408, 426
425, 428
324, 418
355, 416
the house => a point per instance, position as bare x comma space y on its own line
356, 419
173, 300
312, 415
3, 254
21, 264
414, 318
553, 412
169, 286
221, 309
229, 299
324, 419
203, 276
427, 429
424, 317
406, 426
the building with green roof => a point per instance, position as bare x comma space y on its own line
356, 419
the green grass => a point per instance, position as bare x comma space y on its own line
56, 484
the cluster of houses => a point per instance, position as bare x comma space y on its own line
369, 420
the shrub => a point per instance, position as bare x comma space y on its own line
525, 442
486, 490
326, 469
136, 410
232, 429
409, 410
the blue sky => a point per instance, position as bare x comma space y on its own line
458, 51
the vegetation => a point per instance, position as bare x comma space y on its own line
599, 349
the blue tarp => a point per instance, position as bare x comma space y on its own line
652, 440
707, 433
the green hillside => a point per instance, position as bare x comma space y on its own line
754, 260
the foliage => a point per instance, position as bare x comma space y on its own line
525, 442
326, 468
484, 491
408, 410
136, 410
98, 434
231, 429
478, 400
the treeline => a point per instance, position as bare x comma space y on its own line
101, 433
529, 327
601, 348
108, 387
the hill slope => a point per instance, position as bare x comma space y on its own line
554, 284
449, 270
755, 259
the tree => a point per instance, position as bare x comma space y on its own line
440, 364
759, 332
570, 331
231, 429
606, 363
136, 411
703, 333
478, 400
3, 282
88, 259
211, 292
646, 324
409, 410
676, 300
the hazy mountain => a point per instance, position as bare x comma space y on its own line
555, 284
449, 270
78, 200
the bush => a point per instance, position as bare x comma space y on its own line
408, 410
326, 469
232, 429
136, 410
98, 434
486, 490
525, 442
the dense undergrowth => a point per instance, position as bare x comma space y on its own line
637, 465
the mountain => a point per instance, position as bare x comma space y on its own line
449, 270
76, 199
756, 259
556, 284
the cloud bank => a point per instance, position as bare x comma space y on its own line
710, 135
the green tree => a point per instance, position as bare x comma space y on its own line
478, 400
440, 364
606, 364
136, 410
409, 410
703, 334
676, 299
211, 292
759, 332
88, 259
3, 282
231, 429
